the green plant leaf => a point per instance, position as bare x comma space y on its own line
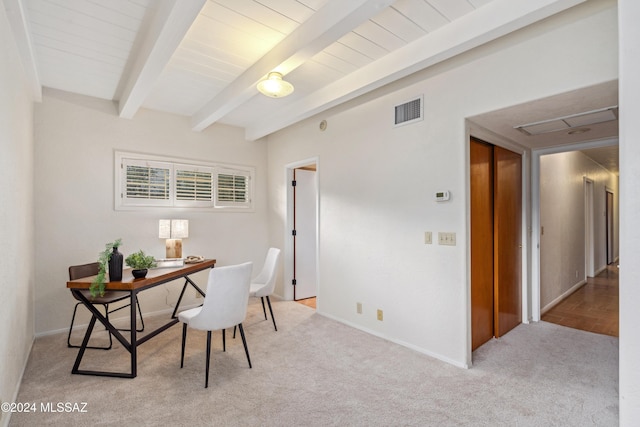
98, 285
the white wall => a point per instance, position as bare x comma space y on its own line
377, 182
16, 218
76, 137
629, 212
562, 215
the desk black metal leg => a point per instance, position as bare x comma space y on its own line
187, 281
175, 310
83, 346
134, 338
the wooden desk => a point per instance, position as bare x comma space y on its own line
154, 277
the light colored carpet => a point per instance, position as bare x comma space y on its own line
317, 372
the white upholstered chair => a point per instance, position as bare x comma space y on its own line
263, 284
225, 306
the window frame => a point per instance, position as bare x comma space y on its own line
123, 159
227, 203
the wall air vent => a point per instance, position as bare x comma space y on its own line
409, 112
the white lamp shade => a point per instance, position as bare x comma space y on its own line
179, 228
173, 228
164, 229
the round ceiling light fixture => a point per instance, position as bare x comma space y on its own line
273, 86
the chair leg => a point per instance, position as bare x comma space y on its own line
73, 318
263, 309
224, 344
234, 332
206, 381
139, 314
184, 341
271, 311
244, 342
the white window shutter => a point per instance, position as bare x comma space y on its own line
232, 188
146, 183
194, 185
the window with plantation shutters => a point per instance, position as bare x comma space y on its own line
146, 181
194, 185
232, 188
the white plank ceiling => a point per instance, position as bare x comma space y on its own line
203, 58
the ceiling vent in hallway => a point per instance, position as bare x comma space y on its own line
570, 122
409, 112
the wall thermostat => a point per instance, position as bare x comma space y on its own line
442, 196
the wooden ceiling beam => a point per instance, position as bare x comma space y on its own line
328, 24
485, 24
166, 30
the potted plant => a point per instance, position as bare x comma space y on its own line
140, 263
98, 284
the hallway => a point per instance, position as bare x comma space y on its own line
593, 307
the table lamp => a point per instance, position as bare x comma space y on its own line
173, 230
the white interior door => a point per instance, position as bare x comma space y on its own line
305, 199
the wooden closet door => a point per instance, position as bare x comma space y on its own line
507, 195
482, 295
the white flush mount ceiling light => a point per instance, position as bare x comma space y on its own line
274, 87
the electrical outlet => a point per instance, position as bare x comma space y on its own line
380, 315
359, 308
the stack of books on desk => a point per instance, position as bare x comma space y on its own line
170, 262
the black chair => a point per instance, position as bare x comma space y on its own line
109, 297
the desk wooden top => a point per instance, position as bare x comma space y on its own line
155, 276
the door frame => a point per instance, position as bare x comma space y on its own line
288, 256
589, 237
478, 132
610, 225
304, 244
479, 135
535, 212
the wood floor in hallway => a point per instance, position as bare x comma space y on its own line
309, 302
593, 307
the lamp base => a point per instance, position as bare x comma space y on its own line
173, 248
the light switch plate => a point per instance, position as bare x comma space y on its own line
427, 238
447, 239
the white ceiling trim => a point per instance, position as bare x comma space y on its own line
324, 27
485, 24
165, 32
16, 15
579, 146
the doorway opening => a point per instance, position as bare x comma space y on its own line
303, 228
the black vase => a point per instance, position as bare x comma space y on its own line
115, 266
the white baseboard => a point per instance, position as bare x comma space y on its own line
563, 296
5, 420
146, 314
